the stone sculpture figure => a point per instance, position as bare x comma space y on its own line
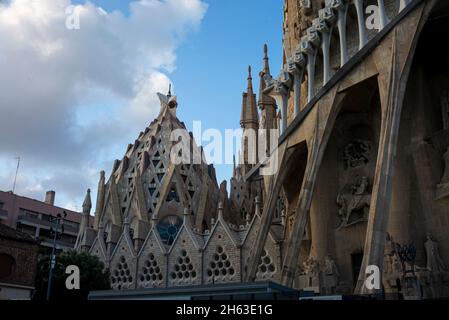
310, 266
434, 261
330, 267
359, 198
310, 273
331, 275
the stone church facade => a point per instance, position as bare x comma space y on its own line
362, 109
160, 224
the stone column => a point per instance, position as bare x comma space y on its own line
361, 23
280, 94
403, 4
273, 191
324, 25
318, 145
342, 13
383, 19
296, 69
308, 46
393, 58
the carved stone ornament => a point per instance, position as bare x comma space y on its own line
353, 202
357, 154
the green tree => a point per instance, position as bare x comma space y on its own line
93, 276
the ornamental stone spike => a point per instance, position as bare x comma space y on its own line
220, 210
257, 207
87, 204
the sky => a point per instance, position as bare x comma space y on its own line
71, 99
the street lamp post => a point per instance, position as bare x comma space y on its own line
58, 220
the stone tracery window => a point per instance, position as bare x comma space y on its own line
121, 277
266, 267
151, 274
183, 270
220, 267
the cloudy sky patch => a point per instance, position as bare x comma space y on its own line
71, 100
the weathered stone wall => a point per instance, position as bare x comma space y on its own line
25, 255
221, 258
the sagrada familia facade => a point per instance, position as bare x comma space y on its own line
362, 109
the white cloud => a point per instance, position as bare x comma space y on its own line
71, 98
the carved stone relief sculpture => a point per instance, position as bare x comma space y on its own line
331, 276
356, 154
353, 202
309, 275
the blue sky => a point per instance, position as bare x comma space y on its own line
212, 66
205, 55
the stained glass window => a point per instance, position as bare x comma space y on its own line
168, 228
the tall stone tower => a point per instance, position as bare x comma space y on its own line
161, 222
267, 105
146, 187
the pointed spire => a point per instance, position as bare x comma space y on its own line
264, 74
100, 198
186, 215
87, 204
126, 225
249, 117
84, 223
250, 81
220, 210
266, 64
169, 91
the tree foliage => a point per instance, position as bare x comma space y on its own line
93, 276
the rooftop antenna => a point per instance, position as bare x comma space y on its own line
17, 171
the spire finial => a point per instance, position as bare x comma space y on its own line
250, 81
220, 210
169, 90
87, 204
186, 214
266, 65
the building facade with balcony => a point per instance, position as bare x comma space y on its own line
33, 217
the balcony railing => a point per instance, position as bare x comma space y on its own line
36, 221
